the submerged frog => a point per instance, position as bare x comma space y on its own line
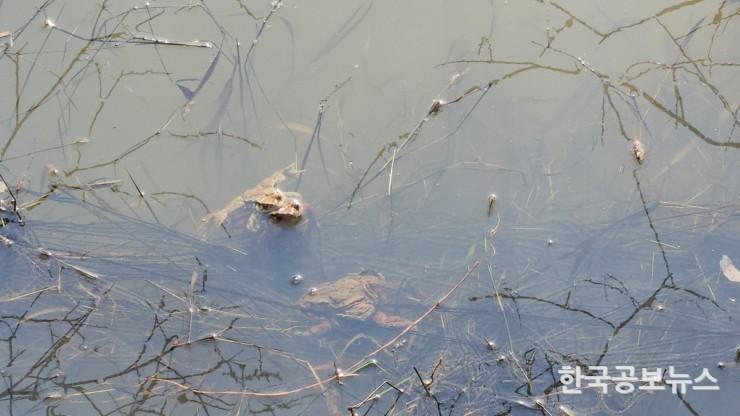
355, 297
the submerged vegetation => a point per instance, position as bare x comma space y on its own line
482, 202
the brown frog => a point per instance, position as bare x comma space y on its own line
257, 208
356, 297
273, 230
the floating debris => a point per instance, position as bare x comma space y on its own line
527, 404
491, 203
728, 269
5, 45
565, 411
54, 396
638, 151
8, 44
435, 108
5, 241
8, 203
490, 345
51, 171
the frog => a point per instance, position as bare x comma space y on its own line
273, 227
355, 297
290, 214
252, 212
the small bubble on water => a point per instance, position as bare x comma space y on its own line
296, 279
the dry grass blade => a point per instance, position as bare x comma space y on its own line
81, 271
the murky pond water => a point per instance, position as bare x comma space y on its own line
369, 207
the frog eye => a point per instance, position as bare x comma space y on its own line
295, 205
